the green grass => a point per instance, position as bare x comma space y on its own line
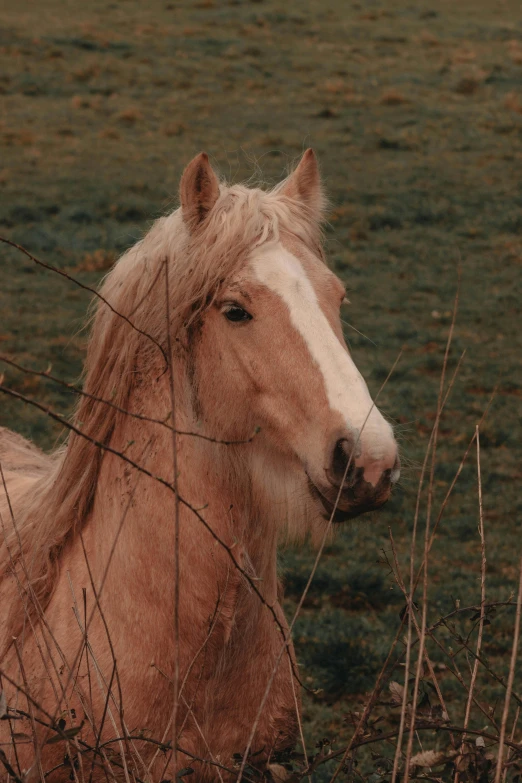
415, 111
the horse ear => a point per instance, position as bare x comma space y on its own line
304, 185
199, 191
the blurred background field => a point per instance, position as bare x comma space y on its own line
415, 112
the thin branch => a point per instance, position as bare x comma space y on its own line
36, 744
474, 608
511, 676
110, 404
482, 599
512, 735
435, 432
115, 673
298, 714
87, 748
487, 667
104, 715
418, 630
88, 288
413, 584
420, 726
175, 679
347, 323
8, 768
371, 702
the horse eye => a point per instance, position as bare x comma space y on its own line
237, 314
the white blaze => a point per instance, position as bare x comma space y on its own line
345, 387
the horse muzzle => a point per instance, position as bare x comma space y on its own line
342, 505
351, 488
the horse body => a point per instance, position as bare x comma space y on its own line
219, 615
139, 564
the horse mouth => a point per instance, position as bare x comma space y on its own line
347, 508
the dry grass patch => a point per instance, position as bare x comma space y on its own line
428, 39
130, 116
468, 82
334, 86
109, 133
84, 102
393, 97
512, 102
463, 55
19, 138
515, 51
174, 129
84, 74
352, 98
98, 261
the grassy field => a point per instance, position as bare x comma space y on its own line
415, 111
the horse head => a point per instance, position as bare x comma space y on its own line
269, 349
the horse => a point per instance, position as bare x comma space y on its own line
141, 623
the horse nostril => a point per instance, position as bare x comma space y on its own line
342, 466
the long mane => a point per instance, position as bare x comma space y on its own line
50, 507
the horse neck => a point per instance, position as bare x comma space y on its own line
213, 478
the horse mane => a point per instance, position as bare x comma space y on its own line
62, 490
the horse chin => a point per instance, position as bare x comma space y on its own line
344, 509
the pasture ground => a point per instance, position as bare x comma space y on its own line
415, 111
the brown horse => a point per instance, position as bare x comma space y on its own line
138, 579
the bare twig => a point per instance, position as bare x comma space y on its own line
88, 288
419, 726
511, 676
414, 583
298, 713
418, 630
501, 680
8, 768
110, 404
435, 432
175, 679
36, 744
371, 702
482, 600
511, 737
